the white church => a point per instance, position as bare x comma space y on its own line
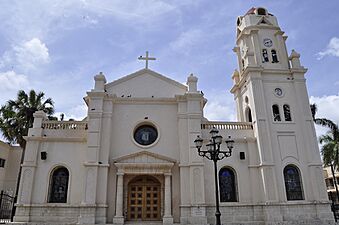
133, 159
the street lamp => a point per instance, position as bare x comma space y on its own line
214, 153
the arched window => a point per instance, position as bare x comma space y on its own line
248, 114
276, 113
274, 56
293, 183
287, 112
58, 186
264, 56
261, 11
227, 185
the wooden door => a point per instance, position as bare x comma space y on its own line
144, 199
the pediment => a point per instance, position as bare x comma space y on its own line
265, 21
144, 157
145, 83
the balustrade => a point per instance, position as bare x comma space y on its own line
64, 125
227, 125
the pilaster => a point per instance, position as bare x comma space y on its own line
119, 218
28, 168
92, 164
168, 218
103, 160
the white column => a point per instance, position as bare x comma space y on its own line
119, 218
168, 219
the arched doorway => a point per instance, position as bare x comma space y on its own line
144, 199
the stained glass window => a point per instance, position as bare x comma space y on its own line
58, 186
227, 185
145, 135
293, 183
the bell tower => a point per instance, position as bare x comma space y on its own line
260, 42
270, 91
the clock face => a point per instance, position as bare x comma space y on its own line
278, 92
268, 42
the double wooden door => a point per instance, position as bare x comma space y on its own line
144, 199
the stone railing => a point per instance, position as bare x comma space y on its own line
64, 125
227, 125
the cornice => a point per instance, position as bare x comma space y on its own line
98, 94
247, 30
56, 139
149, 72
119, 100
244, 74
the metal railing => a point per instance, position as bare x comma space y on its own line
6, 207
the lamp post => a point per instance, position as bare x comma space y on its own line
214, 153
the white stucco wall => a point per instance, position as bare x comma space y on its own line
66, 154
9, 174
126, 117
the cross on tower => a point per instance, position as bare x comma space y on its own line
146, 58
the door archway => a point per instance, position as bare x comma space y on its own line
144, 199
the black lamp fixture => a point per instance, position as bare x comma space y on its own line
214, 153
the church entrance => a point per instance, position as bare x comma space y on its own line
144, 199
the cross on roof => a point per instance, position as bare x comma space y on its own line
146, 58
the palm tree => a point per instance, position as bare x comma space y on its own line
330, 148
330, 143
322, 121
16, 116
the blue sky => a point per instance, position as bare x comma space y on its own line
57, 46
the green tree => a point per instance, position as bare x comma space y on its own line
322, 121
330, 148
329, 141
16, 116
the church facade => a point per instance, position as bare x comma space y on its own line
133, 158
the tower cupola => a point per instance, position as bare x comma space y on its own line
260, 41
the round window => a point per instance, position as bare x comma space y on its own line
145, 134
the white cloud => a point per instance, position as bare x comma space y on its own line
144, 10
45, 19
26, 55
77, 112
11, 81
220, 108
32, 53
187, 40
332, 49
328, 107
